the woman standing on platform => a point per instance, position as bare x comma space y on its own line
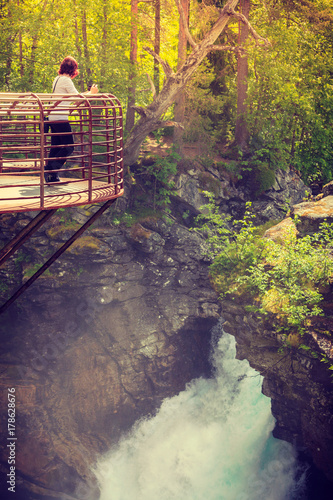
62, 142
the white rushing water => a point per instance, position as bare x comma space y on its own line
211, 442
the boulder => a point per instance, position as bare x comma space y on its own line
280, 231
312, 213
328, 189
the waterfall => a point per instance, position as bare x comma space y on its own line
213, 441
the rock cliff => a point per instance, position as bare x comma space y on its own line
122, 321
118, 324
299, 386
298, 383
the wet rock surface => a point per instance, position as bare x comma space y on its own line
232, 196
121, 321
299, 386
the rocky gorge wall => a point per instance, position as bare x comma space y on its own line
122, 321
299, 386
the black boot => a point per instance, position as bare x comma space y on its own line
49, 178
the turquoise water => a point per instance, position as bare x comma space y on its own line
211, 442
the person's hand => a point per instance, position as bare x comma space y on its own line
94, 89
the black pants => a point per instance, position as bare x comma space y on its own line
61, 145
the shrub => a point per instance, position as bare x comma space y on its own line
283, 279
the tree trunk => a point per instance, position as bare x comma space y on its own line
241, 131
105, 32
86, 52
130, 113
9, 47
157, 44
175, 82
31, 67
78, 47
34, 47
179, 111
20, 49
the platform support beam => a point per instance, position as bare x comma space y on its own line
57, 254
25, 234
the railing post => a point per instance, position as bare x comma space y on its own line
90, 154
108, 156
81, 135
41, 149
1, 154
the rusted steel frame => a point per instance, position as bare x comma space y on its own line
119, 159
1, 156
23, 199
107, 142
22, 148
19, 174
85, 120
101, 168
15, 134
25, 234
100, 133
96, 112
10, 121
101, 172
114, 120
41, 146
81, 145
90, 132
56, 255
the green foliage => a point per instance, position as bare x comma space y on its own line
66, 219
204, 118
214, 226
158, 178
33, 268
209, 183
282, 279
290, 100
139, 214
261, 166
22, 258
290, 90
3, 287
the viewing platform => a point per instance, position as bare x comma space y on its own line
90, 170
93, 173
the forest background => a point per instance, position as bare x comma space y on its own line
284, 116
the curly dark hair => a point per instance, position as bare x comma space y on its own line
69, 67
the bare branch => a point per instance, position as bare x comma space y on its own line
238, 50
166, 68
185, 25
253, 32
141, 111
152, 86
150, 118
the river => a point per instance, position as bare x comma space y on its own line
212, 441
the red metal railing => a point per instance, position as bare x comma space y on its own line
92, 173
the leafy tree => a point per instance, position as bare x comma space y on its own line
290, 105
241, 129
282, 278
175, 81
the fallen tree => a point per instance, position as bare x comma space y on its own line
151, 116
